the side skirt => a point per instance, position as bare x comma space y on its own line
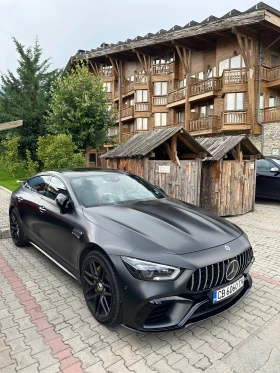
53, 260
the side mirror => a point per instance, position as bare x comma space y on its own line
62, 202
275, 169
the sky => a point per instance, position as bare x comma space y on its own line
64, 26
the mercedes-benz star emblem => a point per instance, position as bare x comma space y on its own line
227, 247
232, 270
100, 286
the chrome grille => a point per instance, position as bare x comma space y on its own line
215, 275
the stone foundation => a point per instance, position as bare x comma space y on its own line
271, 139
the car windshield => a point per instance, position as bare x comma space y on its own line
276, 161
113, 188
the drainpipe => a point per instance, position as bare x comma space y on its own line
259, 86
259, 93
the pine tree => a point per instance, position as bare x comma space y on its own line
26, 95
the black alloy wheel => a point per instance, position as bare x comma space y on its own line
101, 289
16, 229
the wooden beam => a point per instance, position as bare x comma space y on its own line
174, 146
115, 66
168, 150
185, 142
188, 156
95, 70
182, 59
9, 125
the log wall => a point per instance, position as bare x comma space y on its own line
228, 187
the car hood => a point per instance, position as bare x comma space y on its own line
167, 225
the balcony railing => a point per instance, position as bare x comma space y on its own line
177, 95
270, 114
163, 68
128, 87
203, 124
106, 72
204, 86
179, 124
271, 73
126, 136
234, 117
117, 93
140, 78
127, 112
141, 106
234, 76
160, 100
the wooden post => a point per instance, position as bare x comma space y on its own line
243, 42
174, 147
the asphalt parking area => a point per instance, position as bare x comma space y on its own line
45, 325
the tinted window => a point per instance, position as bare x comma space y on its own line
55, 187
113, 188
264, 165
38, 184
277, 161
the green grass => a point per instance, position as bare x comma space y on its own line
7, 180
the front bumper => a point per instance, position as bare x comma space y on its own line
163, 306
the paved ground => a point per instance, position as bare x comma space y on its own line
45, 325
4, 206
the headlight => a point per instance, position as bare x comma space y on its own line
149, 271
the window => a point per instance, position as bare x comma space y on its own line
142, 124
160, 119
234, 101
113, 131
206, 110
182, 83
261, 101
272, 100
274, 59
235, 62
38, 184
264, 165
56, 187
92, 157
107, 86
180, 117
211, 72
142, 95
160, 88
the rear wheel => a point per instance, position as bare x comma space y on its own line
16, 229
101, 289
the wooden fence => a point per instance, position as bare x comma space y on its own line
228, 187
178, 182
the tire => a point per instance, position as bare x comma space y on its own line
16, 229
101, 289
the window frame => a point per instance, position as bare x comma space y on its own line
161, 90
235, 101
160, 115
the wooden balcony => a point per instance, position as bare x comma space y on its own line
163, 68
127, 112
126, 136
270, 114
159, 100
177, 97
205, 88
271, 75
140, 78
204, 125
141, 106
179, 124
233, 117
116, 93
106, 73
234, 76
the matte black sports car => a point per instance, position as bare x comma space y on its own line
145, 260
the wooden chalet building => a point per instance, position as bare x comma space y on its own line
221, 75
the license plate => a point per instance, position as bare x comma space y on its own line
227, 291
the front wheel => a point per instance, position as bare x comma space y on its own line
101, 289
16, 229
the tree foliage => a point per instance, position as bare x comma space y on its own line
31, 166
58, 152
79, 107
26, 95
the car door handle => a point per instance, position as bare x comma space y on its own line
42, 209
20, 199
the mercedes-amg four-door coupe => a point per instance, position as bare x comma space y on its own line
144, 260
